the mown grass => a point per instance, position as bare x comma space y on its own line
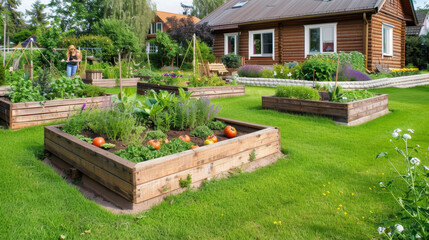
36, 203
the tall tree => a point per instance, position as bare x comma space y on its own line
15, 20
202, 8
137, 14
37, 15
182, 31
80, 15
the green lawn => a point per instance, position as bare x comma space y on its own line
36, 203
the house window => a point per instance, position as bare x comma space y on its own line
261, 43
387, 40
231, 43
320, 38
151, 48
154, 27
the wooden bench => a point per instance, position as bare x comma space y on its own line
217, 68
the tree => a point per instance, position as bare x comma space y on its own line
123, 38
182, 31
137, 14
37, 15
202, 8
14, 18
80, 15
167, 48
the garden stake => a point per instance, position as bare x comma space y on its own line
120, 77
314, 72
336, 77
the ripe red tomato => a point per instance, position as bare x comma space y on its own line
185, 138
155, 143
194, 146
98, 141
230, 132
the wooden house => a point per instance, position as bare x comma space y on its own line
160, 24
266, 32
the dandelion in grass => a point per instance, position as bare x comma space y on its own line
324, 185
275, 223
338, 208
324, 194
363, 217
345, 213
370, 188
371, 212
328, 192
353, 194
340, 205
329, 182
382, 174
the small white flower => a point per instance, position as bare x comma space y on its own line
410, 130
274, 74
426, 168
397, 130
399, 227
381, 230
289, 74
345, 98
406, 136
281, 71
395, 134
381, 184
415, 161
418, 236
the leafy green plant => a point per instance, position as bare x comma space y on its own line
2, 75
142, 153
355, 95
156, 134
411, 193
24, 91
65, 87
298, 92
231, 60
83, 138
201, 132
108, 145
355, 59
43, 81
216, 125
323, 69
185, 183
252, 156
334, 93
90, 91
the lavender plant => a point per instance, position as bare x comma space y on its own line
411, 194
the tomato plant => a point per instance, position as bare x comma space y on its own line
155, 143
185, 138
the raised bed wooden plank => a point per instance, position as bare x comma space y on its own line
126, 82
341, 112
210, 92
160, 167
99, 157
169, 183
4, 90
51, 103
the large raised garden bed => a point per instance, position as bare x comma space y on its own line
108, 83
141, 185
210, 92
20, 115
4, 90
351, 114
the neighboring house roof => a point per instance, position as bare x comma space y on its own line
415, 30
266, 10
165, 15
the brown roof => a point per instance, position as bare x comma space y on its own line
266, 10
415, 30
165, 15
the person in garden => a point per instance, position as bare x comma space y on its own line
73, 59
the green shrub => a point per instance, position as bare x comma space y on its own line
2, 75
201, 132
157, 134
105, 52
91, 91
324, 69
251, 71
298, 92
216, 125
231, 60
355, 59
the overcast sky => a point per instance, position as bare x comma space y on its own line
172, 6
162, 5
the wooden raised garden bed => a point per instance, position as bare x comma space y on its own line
108, 83
138, 186
4, 90
353, 113
20, 115
210, 92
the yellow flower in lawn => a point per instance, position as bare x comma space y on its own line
338, 208
371, 212
341, 192
275, 223
324, 194
328, 192
353, 194
280, 223
329, 182
367, 171
222, 214
340, 205
363, 217
382, 173
324, 185
345, 213
370, 188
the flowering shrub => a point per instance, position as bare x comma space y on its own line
250, 71
411, 196
346, 73
404, 72
355, 59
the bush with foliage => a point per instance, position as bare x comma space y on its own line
355, 59
298, 92
167, 49
250, 71
122, 37
201, 132
206, 52
346, 73
321, 68
2, 75
205, 81
231, 60
417, 51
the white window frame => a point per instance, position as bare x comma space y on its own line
226, 35
390, 39
160, 23
251, 33
321, 26
154, 26
149, 49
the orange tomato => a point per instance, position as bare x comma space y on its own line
213, 138
155, 143
230, 131
185, 138
194, 146
98, 141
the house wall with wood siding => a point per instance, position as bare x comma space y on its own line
351, 36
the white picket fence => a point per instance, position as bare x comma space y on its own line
399, 82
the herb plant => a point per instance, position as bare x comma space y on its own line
201, 132
298, 92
